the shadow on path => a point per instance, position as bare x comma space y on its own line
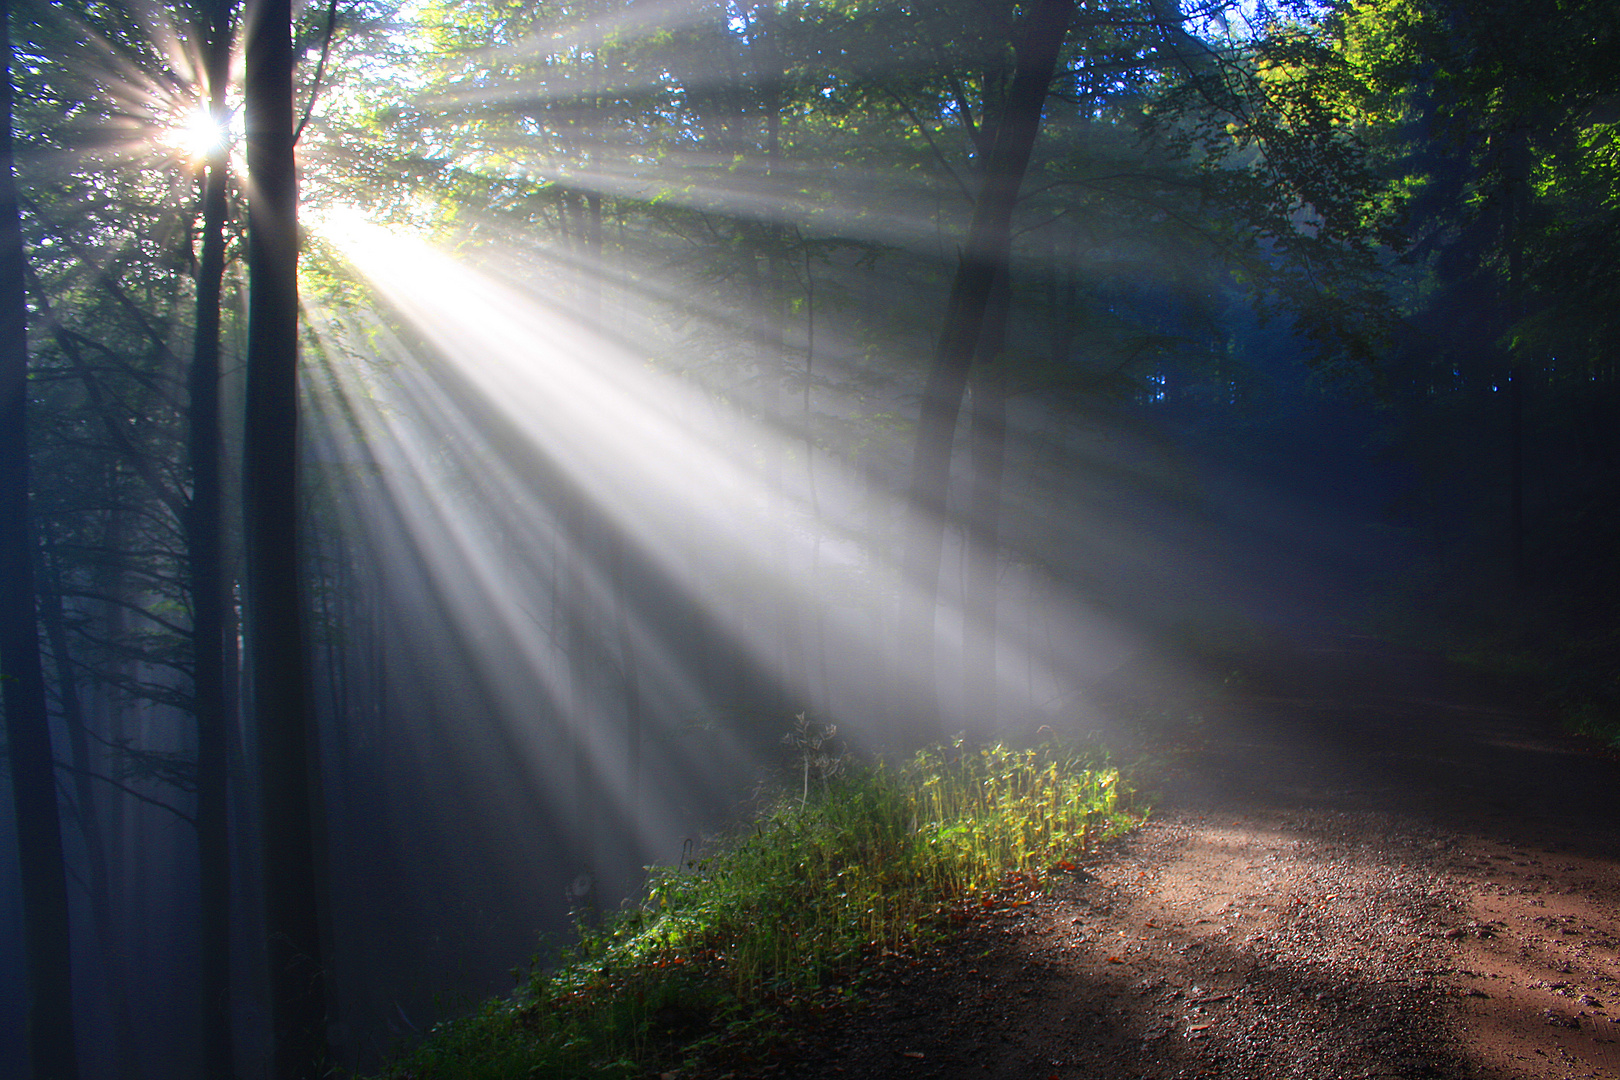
1363, 863
1355, 724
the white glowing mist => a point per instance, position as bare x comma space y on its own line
509, 404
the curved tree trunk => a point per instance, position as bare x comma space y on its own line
988, 242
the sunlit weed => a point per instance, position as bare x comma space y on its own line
857, 861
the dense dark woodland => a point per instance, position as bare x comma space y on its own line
366, 609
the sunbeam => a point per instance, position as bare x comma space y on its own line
699, 403
566, 496
688, 484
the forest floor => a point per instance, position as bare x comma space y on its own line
1362, 862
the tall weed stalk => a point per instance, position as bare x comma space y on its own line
872, 860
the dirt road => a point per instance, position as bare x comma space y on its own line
1363, 864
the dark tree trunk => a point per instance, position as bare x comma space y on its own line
988, 242
28, 735
987, 438
89, 812
204, 541
279, 692
93, 815
1517, 200
1515, 396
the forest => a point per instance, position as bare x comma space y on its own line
453, 450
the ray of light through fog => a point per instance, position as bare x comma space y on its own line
593, 520
495, 414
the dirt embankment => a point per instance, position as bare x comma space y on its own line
1364, 864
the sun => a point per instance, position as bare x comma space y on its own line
197, 134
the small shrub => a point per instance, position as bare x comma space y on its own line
867, 860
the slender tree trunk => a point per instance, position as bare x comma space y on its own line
579, 615
988, 242
816, 600
987, 446
629, 673
629, 670
279, 691
1517, 168
584, 534
28, 735
792, 681
204, 541
54, 618
1515, 396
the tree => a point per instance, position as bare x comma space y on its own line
1498, 152
280, 694
33, 766
205, 533
984, 255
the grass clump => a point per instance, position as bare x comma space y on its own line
870, 860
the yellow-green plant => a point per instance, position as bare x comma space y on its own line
873, 859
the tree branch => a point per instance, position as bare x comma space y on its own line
131, 792
928, 137
320, 67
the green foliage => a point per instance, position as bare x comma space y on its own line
873, 860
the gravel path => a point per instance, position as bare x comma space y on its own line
1363, 864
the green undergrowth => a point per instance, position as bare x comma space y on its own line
786, 914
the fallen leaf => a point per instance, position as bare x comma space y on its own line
1114, 960
918, 1054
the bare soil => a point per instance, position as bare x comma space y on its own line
1362, 863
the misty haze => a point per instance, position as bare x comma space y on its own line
810, 539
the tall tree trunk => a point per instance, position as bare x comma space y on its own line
1517, 170
791, 680
54, 618
1516, 523
585, 532
580, 620
204, 542
629, 669
814, 591
28, 734
280, 695
987, 437
988, 243
629, 673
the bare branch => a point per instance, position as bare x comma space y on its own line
320, 67
131, 792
